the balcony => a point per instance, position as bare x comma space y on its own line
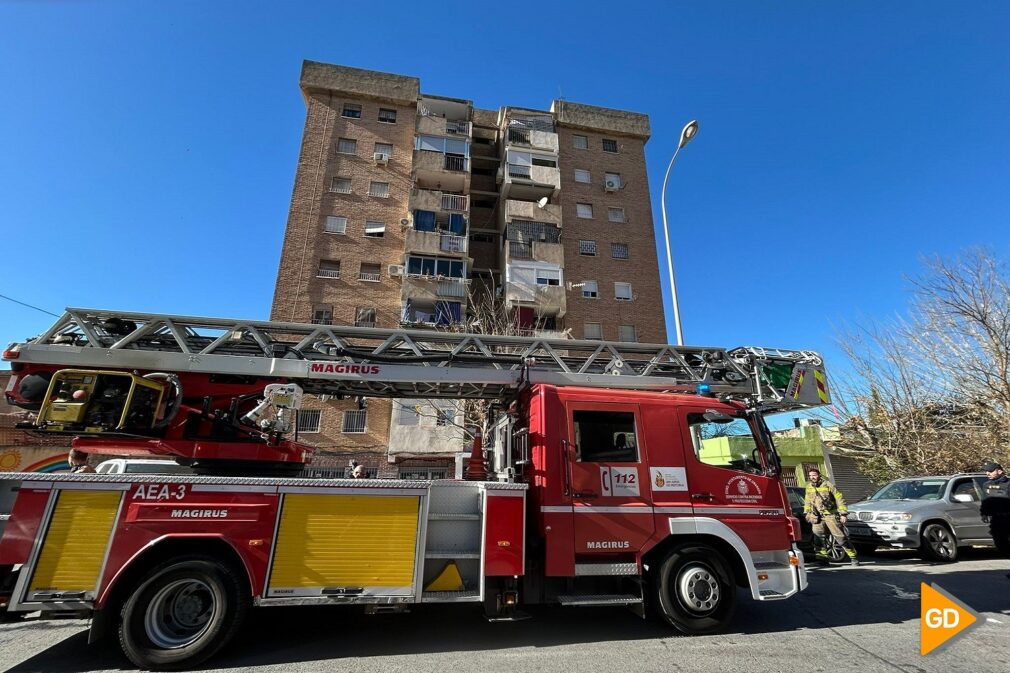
433, 288
438, 170
440, 126
523, 181
530, 137
429, 199
529, 210
434, 242
552, 253
545, 298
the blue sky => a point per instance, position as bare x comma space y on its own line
147, 150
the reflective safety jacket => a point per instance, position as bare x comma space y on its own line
824, 498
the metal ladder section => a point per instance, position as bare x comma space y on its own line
372, 362
453, 534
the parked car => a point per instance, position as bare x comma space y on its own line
141, 466
934, 515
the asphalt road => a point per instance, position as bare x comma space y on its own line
850, 619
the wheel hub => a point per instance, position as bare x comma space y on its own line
698, 589
179, 613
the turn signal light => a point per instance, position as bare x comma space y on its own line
12, 354
794, 560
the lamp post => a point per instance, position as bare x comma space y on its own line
686, 135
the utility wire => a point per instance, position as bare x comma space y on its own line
3, 296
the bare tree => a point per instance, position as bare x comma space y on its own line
929, 392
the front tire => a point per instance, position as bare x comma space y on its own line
938, 544
184, 611
695, 592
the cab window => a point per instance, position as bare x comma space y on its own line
724, 441
605, 437
964, 487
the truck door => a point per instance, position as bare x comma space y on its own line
729, 477
608, 478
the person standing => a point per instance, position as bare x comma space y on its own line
996, 506
824, 507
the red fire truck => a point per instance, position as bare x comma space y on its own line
617, 474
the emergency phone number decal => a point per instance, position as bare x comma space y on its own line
619, 481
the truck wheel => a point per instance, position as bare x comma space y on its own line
695, 592
938, 543
183, 612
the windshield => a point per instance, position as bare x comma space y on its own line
164, 467
912, 489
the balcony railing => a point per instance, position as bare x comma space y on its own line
455, 202
454, 162
518, 171
450, 288
452, 243
364, 323
372, 277
520, 136
457, 127
520, 250
328, 273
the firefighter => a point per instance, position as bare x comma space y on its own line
824, 506
79, 462
996, 506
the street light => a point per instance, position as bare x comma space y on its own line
686, 135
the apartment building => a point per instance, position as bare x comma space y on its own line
420, 211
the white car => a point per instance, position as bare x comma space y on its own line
141, 466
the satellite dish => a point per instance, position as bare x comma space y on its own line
542, 203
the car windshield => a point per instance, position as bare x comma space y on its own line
912, 489
163, 467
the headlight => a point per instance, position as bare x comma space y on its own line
894, 516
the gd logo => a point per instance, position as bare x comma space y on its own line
942, 618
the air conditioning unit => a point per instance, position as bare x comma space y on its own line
405, 222
395, 270
612, 185
380, 158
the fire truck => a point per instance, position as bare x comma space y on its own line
630, 474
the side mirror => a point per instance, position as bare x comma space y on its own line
963, 497
713, 416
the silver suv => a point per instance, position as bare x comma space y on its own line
935, 515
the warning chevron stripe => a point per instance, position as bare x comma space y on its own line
822, 386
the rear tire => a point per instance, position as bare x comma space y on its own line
183, 612
938, 544
694, 590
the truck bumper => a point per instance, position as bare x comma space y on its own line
778, 574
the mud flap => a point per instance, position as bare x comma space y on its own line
8, 577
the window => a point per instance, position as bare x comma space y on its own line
605, 437
964, 487
537, 160
627, 333
379, 189
549, 277
590, 289
387, 116
340, 185
322, 315
612, 180
335, 225
619, 250
354, 421
351, 111
615, 214
364, 317
407, 414
415, 473
435, 266
384, 148
375, 229
583, 176
309, 420
347, 146
726, 441
328, 268
584, 210
580, 142
610, 145
587, 248
622, 291
592, 330
370, 272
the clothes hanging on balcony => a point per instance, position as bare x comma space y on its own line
447, 312
408, 312
424, 220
